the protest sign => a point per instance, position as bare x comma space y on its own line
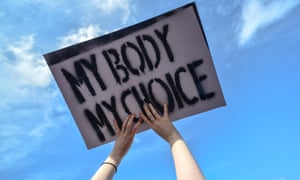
163, 59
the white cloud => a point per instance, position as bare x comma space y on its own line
31, 69
27, 101
21, 72
257, 14
82, 34
112, 6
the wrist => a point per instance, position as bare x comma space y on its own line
112, 158
173, 138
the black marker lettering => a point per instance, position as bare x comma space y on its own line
144, 91
180, 89
163, 37
83, 77
168, 92
75, 82
116, 63
174, 90
92, 66
197, 80
123, 100
124, 48
99, 121
138, 99
94, 122
145, 52
101, 115
112, 107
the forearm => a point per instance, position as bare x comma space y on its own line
107, 171
185, 165
123, 142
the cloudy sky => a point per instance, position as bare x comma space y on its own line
255, 48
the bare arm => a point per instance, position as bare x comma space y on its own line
185, 165
124, 140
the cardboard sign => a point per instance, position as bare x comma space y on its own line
163, 59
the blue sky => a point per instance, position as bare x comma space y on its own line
255, 48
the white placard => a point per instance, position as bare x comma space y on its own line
165, 58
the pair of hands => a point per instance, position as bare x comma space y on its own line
160, 124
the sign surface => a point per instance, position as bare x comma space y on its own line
163, 59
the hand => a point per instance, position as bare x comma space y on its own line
125, 137
160, 124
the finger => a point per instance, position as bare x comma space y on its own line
148, 112
116, 127
144, 118
124, 126
154, 112
130, 122
166, 111
137, 125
